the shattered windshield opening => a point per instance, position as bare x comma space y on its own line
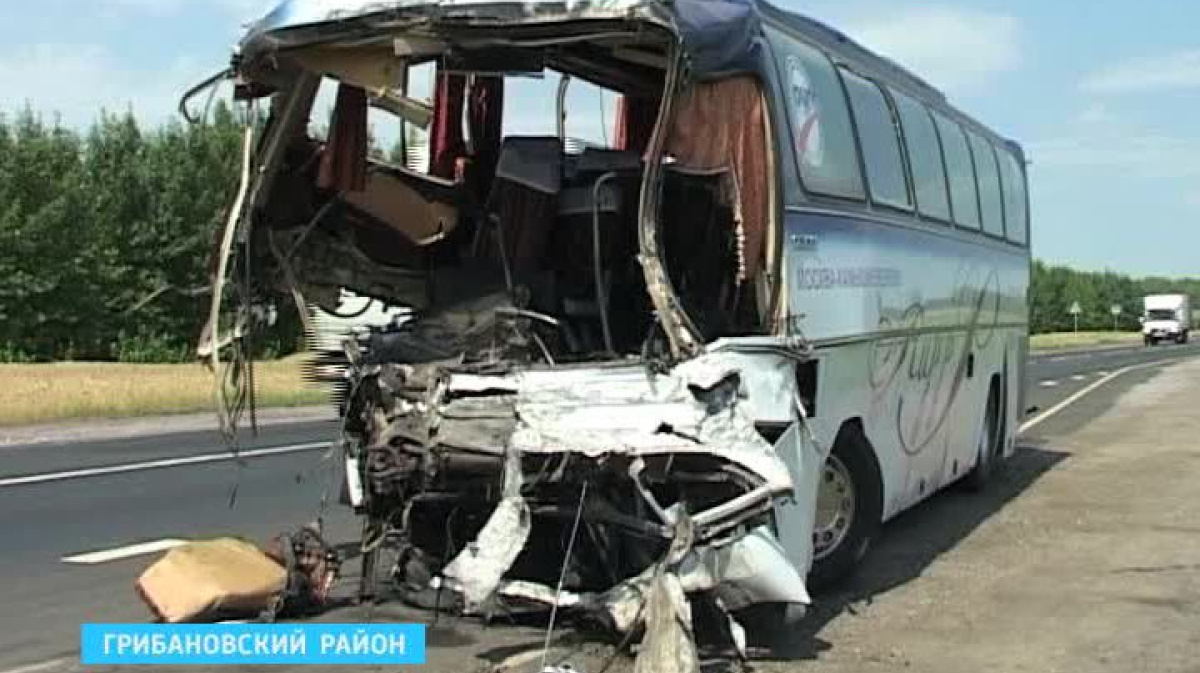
530, 334
487, 299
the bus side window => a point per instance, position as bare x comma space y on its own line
879, 141
1016, 206
991, 203
925, 158
963, 197
822, 135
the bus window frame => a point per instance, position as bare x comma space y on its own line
780, 144
891, 91
950, 119
810, 195
911, 209
971, 135
1018, 159
796, 196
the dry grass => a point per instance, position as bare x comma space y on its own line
1082, 339
39, 393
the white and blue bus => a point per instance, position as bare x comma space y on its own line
907, 261
783, 302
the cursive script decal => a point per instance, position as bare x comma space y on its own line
925, 363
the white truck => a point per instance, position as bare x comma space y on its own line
1167, 317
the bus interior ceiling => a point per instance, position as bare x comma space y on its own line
516, 408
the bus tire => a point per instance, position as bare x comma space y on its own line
991, 442
851, 475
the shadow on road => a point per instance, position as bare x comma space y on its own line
910, 543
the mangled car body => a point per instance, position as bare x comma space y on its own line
603, 381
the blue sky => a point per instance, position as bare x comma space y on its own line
1104, 96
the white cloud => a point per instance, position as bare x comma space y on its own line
1096, 113
239, 9
77, 81
952, 47
1147, 74
1098, 140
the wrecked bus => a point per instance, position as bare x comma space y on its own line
785, 304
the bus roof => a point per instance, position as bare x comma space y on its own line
718, 35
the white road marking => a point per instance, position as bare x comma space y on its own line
128, 551
1078, 377
49, 665
1029, 424
1048, 384
160, 464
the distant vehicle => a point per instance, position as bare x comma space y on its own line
1167, 317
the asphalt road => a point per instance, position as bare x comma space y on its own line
1056, 376
57, 516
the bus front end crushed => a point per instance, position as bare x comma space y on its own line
582, 410
583, 487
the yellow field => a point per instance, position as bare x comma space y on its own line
1081, 339
38, 393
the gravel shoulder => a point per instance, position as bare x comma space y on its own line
1084, 558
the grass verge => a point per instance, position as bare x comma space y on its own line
1082, 339
40, 393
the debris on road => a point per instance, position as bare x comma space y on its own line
205, 579
213, 579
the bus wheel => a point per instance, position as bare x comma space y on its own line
849, 509
991, 442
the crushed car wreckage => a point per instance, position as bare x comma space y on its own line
589, 407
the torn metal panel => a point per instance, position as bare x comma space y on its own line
754, 569
476, 572
794, 515
669, 644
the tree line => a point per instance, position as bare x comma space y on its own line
1054, 288
105, 237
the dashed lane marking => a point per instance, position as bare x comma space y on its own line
119, 553
61, 664
1048, 384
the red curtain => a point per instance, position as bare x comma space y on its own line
446, 144
485, 118
723, 125
635, 122
484, 107
344, 162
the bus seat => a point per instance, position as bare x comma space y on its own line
524, 197
422, 207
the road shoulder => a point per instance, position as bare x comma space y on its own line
1082, 558
107, 429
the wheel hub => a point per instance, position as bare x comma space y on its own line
835, 508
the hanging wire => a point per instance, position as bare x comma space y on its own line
212, 83
562, 576
234, 388
603, 120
